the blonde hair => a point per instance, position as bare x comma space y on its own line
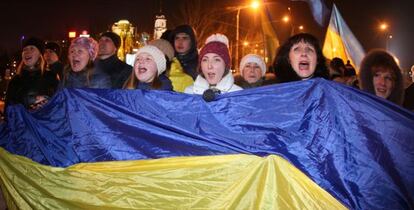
89, 68
40, 64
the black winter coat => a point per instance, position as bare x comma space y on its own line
24, 88
117, 70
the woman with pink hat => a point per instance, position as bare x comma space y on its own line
80, 73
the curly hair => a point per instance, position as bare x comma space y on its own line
283, 68
375, 61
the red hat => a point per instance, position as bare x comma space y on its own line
217, 43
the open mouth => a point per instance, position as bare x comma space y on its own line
75, 63
211, 75
251, 76
142, 70
28, 58
304, 65
381, 90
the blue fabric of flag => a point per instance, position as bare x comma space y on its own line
358, 147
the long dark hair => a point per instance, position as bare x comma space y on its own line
283, 68
376, 60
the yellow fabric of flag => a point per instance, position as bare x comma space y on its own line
205, 182
340, 41
333, 46
271, 42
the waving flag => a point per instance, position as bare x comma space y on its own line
271, 42
310, 144
340, 41
319, 10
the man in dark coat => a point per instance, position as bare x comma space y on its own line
109, 63
51, 56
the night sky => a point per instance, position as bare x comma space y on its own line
52, 20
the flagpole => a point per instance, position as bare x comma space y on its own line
237, 39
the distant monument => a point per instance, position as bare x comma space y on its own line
160, 25
127, 33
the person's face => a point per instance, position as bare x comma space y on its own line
30, 55
78, 58
212, 67
383, 83
412, 73
252, 72
106, 47
182, 43
145, 68
303, 59
50, 56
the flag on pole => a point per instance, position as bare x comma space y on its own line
340, 41
319, 10
270, 40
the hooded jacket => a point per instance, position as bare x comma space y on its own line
189, 61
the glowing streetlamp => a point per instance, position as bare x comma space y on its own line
301, 28
385, 28
254, 5
285, 18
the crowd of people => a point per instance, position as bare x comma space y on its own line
173, 63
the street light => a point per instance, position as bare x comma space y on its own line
254, 5
285, 18
245, 44
384, 27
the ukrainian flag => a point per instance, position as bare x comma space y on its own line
311, 144
271, 42
340, 41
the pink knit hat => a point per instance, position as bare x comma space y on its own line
217, 43
88, 43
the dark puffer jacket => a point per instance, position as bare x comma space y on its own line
88, 78
25, 87
117, 70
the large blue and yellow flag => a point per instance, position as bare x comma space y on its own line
311, 144
340, 41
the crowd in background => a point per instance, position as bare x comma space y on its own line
173, 63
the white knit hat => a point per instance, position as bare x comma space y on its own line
253, 58
157, 54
